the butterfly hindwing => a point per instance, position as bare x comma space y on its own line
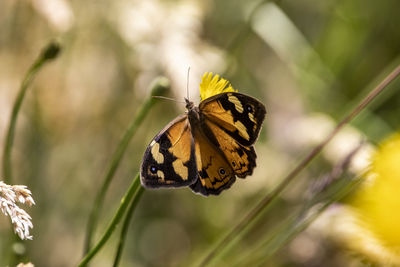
169, 160
239, 115
242, 159
215, 174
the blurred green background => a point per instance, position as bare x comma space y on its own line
308, 61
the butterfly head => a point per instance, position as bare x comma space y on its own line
192, 111
189, 104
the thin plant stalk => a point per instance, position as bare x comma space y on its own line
333, 187
49, 53
129, 195
266, 201
125, 225
159, 86
292, 232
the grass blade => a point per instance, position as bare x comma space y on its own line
133, 188
159, 86
125, 226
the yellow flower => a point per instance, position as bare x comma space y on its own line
210, 85
377, 202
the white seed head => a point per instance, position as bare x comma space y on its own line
9, 197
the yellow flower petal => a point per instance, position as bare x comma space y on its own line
378, 202
210, 85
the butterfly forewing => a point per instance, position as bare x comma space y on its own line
215, 174
239, 115
169, 160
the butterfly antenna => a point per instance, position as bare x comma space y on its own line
168, 98
187, 83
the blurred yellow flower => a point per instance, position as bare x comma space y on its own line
377, 202
210, 85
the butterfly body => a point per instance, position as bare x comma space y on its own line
207, 147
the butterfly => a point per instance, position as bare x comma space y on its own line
207, 147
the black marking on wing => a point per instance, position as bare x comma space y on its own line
242, 150
250, 105
171, 178
199, 188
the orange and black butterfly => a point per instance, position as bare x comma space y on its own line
207, 147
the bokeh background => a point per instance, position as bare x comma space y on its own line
308, 61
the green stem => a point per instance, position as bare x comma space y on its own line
125, 226
266, 201
50, 52
158, 87
133, 188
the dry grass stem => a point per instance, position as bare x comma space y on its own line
10, 195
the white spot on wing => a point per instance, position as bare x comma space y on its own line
234, 100
180, 169
242, 130
155, 152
